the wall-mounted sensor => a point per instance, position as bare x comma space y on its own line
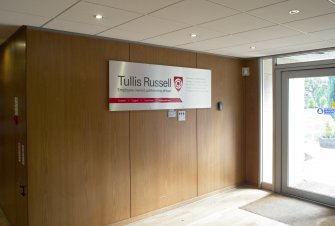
220, 105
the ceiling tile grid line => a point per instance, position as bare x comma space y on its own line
246, 32
122, 8
232, 4
36, 7
116, 26
314, 24
104, 31
194, 12
60, 13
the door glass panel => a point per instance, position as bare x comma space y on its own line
311, 134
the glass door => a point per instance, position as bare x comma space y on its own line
308, 134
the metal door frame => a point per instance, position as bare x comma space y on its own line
280, 72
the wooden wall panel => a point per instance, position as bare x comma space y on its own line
163, 150
252, 123
78, 151
220, 133
12, 84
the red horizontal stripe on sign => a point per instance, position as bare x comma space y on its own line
143, 100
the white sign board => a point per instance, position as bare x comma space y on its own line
136, 86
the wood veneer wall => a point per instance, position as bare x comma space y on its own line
163, 151
12, 84
89, 166
220, 134
78, 150
252, 123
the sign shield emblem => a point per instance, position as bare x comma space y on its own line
178, 82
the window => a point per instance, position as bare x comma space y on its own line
267, 121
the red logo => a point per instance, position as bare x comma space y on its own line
178, 82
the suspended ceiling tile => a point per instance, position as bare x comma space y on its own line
84, 12
318, 23
244, 5
122, 34
183, 36
257, 35
70, 26
308, 8
45, 8
194, 12
235, 53
144, 6
13, 18
297, 48
237, 23
288, 41
151, 26
326, 34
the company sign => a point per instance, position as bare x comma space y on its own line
136, 86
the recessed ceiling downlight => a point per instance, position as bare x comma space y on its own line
193, 35
98, 16
294, 11
252, 47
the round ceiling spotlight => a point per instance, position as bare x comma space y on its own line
98, 16
193, 35
294, 11
252, 47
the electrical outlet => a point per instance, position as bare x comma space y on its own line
181, 115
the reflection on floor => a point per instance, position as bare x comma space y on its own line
221, 209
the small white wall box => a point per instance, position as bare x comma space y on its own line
181, 115
172, 113
245, 71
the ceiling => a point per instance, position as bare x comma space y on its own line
223, 27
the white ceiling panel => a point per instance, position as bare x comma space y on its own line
308, 8
314, 24
46, 8
142, 6
283, 43
296, 48
194, 12
13, 18
183, 36
237, 51
288, 41
258, 35
245, 5
244, 54
226, 27
237, 23
64, 25
122, 34
84, 12
326, 34
151, 26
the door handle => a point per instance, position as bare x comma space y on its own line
23, 191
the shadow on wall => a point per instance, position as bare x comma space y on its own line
3, 219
